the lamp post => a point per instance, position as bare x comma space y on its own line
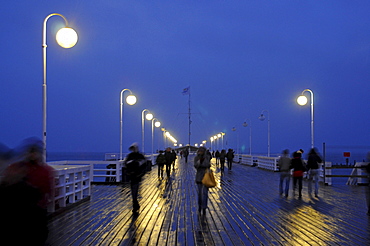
164, 137
130, 100
67, 38
148, 116
262, 118
245, 124
157, 124
219, 135
302, 100
222, 138
216, 141
211, 138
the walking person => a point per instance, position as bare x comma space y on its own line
217, 155
284, 165
313, 170
160, 161
133, 163
222, 160
186, 154
299, 168
174, 157
201, 163
230, 158
169, 159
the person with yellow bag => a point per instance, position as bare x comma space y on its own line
202, 164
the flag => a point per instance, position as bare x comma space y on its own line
186, 91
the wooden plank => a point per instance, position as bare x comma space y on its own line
245, 209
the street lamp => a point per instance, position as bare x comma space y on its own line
216, 141
245, 124
148, 116
211, 138
262, 118
67, 38
164, 137
302, 100
130, 100
155, 123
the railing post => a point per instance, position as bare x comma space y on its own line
327, 166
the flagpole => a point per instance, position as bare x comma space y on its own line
189, 118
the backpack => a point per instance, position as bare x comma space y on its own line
161, 159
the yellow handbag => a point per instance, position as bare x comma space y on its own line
208, 179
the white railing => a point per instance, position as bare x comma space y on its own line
268, 163
72, 184
246, 160
263, 162
100, 171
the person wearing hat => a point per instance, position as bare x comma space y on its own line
201, 163
133, 163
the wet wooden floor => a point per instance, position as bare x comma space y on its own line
245, 209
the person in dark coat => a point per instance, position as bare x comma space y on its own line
299, 168
230, 158
186, 154
313, 168
133, 162
169, 160
217, 155
160, 161
201, 163
222, 159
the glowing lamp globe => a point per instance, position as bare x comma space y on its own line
66, 37
131, 99
157, 124
219, 135
302, 100
149, 116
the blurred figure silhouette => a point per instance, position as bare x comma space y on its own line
169, 160
217, 155
133, 162
299, 168
161, 161
313, 170
230, 157
25, 189
174, 157
201, 163
186, 154
284, 165
222, 159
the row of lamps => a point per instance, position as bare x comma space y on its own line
67, 38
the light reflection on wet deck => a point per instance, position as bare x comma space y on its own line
245, 209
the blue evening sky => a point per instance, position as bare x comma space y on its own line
238, 57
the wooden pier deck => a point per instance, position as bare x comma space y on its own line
245, 209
